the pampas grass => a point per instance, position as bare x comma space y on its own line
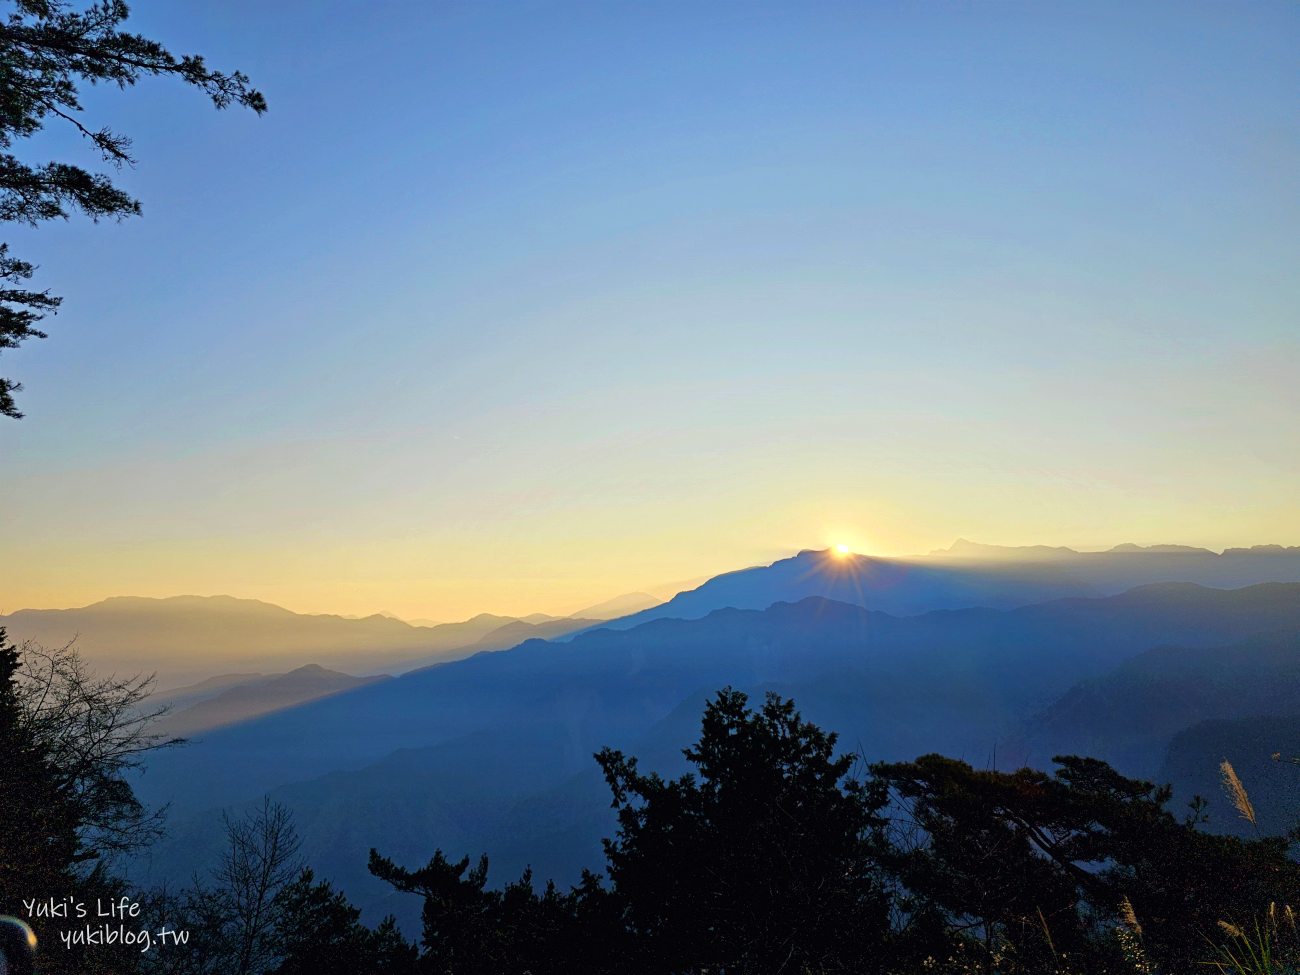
1237, 792
1270, 946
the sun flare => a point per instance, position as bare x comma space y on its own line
841, 549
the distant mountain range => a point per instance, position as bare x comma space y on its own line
493, 753
187, 638
965, 549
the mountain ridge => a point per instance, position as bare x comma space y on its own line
254, 698
912, 586
185, 639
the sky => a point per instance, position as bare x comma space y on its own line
514, 307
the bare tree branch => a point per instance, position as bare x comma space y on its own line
94, 731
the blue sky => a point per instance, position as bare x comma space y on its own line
516, 306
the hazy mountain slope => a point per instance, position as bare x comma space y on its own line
517, 631
1129, 716
187, 637
631, 602
258, 697
1192, 764
889, 585
972, 575
188, 694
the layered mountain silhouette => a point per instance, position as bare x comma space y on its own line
185, 638
630, 602
1132, 714
194, 711
969, 574
493, 753
183, 697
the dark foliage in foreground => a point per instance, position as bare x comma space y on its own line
65, 742
1053, 865
768, 855
765, 859
774, 855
